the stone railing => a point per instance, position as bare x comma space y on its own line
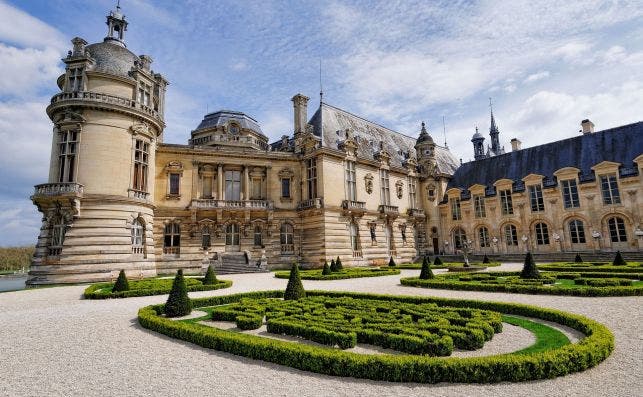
357, 254
58, 189
233, 204
139, 194
98, 97
415, 213
389, 210
171, 250
287, 248
311, 203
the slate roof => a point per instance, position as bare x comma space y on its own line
330, 123
222, 117
112, 58
621, 145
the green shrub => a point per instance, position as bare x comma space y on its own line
326, 271
210, 277
529, 269
178, 303
121, 283
486, 259
149, 286
618, 260
248, 321
437, 261
352, 272
294, 289
333, 266
426, 272
391, 262
338, 264
578, 259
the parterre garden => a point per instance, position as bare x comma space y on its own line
336, 271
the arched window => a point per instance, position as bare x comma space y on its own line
483, 237
617, 229
511, 235
258, 237
286, 237
57, 235
542, 234
138, 232
459, 238
172, 238
352, 228
577, 231
205, 237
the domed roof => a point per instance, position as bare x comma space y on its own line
477, 136
112, 57
424, 136
223, 117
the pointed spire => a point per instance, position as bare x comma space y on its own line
493, 127
424, 135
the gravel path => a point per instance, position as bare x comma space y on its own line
55, 343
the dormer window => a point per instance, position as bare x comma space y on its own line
144, 93
75, 79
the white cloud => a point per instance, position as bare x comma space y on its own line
619, 55
537, 76
21, 29
239, 66
27, 70
274, 124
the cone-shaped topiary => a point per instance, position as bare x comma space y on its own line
338, 264
326, 270
391, 262
294, 289
578, 259
437, 261
486, 259
178, 303
529, 270
618, 260
333, 266
426, 272
121, 283
210, 277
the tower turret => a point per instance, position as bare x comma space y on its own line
478, 145
116, 26
425, 150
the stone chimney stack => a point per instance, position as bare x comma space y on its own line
588, 126
300, 103
515, 144
79, 47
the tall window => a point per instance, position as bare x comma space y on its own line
57, 235
286, 238
144, 93
256, 189
506, 203
258, 237
67, 156
478, 206
352, 228
311, 173
459, 238
385, 190
511, 235
285, 187
570, 193
233, 185
412, 193
483, 237
609, 187
207, 186
542, 234
174, 184
137, 236
351, 184
536, 198
141, 153
172, 238
577, 231
232, 236
205, 237
76, 79
616, 226
456, 215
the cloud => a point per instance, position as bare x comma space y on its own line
23, 30
537, 76
275, 124
239, 66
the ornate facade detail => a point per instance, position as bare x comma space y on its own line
399, 189
368, 183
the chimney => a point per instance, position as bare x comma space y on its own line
515, 144
300, 103
79, 47
588, 126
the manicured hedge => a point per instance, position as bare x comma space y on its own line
444, 265
590, 351
152, 287
350, 272
598, 267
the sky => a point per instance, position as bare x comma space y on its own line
546, 64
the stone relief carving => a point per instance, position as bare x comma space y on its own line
399, 189
368, 183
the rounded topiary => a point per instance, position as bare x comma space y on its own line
338, 264
485, 259
426, 272
121, 283
529, 269
618, 260
578, 259
294, 289
210, 277
333, 266
391, 262
437, 261
178, 303
326, 271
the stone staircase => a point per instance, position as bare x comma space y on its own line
236, 263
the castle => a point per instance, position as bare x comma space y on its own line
117, 197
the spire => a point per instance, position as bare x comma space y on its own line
494, 132
424, 136
444, 132
116, 26
493, 127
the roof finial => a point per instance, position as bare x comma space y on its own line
423, 131
444, 131
118, 4
321, 91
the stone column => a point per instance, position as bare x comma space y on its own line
196, 190
220, 182
267, 184
246, 183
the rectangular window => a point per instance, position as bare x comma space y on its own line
144, 94
609, 188
285, 187
207, 187
478, 206
311, 173
351, 185
570, 193
412, 193
141, 154
536, 198
506, 203
67, 156
174, 184
76, 79
256, 189
233, 185
455, 209
385, 190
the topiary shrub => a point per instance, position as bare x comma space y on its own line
121, 283
578, 259
333, 266
486, 259
210, 277
294, 289
426, 272
178, 303
391, 262
338, 264
437, 261
618, 260
529, 270
326, 271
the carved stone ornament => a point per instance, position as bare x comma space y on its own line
399, 189
368, 183
141, 129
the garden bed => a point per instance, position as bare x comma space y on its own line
597, 267
152, 286
350, 272
444, 265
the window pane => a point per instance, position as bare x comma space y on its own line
174, 184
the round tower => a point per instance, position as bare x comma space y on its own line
425, 150
478, 145
97, 205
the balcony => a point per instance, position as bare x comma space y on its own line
287, 249
354, 207
389, 211
72, 189
138, 194
416, 213
255, 205
311, 203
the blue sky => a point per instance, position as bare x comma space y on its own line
547, 65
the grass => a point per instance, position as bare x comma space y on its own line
547, 338
150, 286
350, 272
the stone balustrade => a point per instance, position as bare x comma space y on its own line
416, 213
388, 210
311, 203
98, 97
58, 189
354, 207
233, 204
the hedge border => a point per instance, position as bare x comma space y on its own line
445, 265
93, 291
595, 269
590, 351
340, 276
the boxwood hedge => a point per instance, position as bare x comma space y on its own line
150, 287
351, 272
588, 352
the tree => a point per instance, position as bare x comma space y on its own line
578, 259
338, 264
326, 270
210, 277
178, 303
529, 269
618, 260
437, 261
121, 283
391, 262
485, 259
294, 289
426, 272
333, 266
